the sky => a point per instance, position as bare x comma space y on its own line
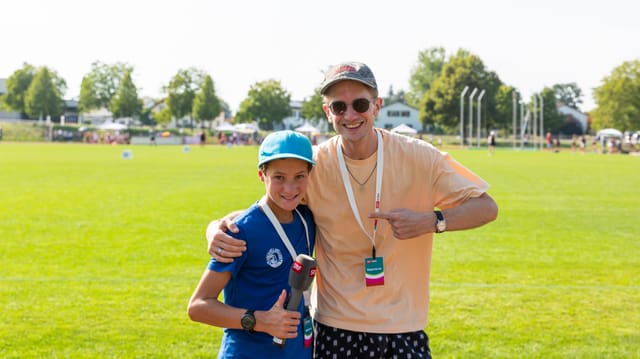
529, 44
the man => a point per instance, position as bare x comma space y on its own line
373, 195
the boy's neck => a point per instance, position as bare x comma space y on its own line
282, 215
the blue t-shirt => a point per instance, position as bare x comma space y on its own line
257, 279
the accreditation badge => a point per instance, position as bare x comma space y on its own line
308, 330
374, 271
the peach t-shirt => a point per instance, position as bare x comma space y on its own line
416, 176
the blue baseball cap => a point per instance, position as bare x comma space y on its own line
285, 144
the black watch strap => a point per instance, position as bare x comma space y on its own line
440, 222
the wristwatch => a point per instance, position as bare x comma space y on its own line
248, 321
441, 224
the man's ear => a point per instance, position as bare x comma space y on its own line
378, 105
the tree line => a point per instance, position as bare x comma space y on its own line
435, 84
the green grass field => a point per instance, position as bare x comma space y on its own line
99, 254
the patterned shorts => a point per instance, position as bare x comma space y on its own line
334, 343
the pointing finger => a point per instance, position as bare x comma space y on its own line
381, 215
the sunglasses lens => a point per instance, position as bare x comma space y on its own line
338, 107
361, 105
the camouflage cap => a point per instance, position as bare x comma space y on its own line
355, 71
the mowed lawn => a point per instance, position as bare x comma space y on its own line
99, 254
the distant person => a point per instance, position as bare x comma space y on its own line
549, 140
275, 229
583, 144
492, 142
203, 138
1, 133
152, 138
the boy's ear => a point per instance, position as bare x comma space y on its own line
262, 175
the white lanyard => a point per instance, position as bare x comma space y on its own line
349, 189
278, 227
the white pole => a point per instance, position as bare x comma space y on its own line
541, 99
534, 125
514, 109
473, 93
522, 129
462, 116
478, 123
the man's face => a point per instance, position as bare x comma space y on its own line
352, 124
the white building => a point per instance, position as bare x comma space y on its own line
296, 120
397, 114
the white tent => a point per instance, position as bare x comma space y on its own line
609, 132
245, 128
112, 126
307, 127
226, 126
402, 128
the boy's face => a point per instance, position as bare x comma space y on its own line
286, 182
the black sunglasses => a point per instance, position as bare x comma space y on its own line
360, 105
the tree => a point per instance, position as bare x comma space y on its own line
125, 102
162, 115
394, 97
553, 120
569, 94
206, 105
226, 109
428, 69
100, 85
267, 103
503, 115
44, 96
312, 108
441, 104
182, 90
618, 99
17, 85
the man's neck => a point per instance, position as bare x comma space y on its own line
361, 149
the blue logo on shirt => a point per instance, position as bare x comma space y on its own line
274, 258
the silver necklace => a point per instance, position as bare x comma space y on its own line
368, 177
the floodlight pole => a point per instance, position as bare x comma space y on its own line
478, 123
534, 125
466, 88
473, 93
522, 129
541, 100
514, 97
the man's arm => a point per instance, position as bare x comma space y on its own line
472, 213
220, 245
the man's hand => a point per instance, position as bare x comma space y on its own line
472, 213
406, 223
222, 246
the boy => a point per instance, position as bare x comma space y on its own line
256, 284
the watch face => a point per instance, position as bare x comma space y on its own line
441, 226
248, 321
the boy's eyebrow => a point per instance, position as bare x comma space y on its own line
301, 171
